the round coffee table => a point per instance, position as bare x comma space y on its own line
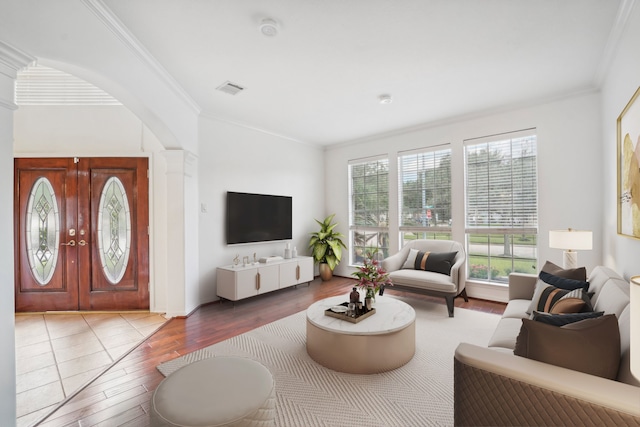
382, 342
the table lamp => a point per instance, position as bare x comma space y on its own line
570, 240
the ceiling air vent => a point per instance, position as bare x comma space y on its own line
230, 88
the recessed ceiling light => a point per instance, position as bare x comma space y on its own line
269, 27
385, 99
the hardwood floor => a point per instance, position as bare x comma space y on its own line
121, 396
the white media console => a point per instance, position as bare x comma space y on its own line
239, 282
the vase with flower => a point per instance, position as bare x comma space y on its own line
371, 278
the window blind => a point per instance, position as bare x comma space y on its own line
424, 189
501, 184
40, 85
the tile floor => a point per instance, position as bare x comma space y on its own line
57, 353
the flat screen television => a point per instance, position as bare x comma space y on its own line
258, 217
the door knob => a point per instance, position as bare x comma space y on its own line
82, 243
71, 243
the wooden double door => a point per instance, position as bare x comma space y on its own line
81, 234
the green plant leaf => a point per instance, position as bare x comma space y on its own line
335, 247
327, 243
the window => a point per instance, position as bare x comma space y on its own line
39, 85
501, 206
368, 208
424, 194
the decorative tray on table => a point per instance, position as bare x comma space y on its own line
339, 313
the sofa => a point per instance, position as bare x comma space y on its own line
493, 386
438, 271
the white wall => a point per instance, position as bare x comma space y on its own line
569, 168
7, 327
81, 131
623, 79
233, 158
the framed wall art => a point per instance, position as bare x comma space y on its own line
628, 127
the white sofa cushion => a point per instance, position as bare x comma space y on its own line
506, 333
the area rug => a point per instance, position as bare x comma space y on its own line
418, 394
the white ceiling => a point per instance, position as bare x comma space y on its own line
319, 79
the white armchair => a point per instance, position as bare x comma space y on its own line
429, 282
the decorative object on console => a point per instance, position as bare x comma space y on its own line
372, 278
628, 163
327, 247
287, 251
267, 259
570, 240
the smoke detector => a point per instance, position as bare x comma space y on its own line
269, 27
385, 99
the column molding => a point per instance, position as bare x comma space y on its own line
181, 281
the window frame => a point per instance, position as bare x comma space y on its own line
377, 232
426, 231
490, 224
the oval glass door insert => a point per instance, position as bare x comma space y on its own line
114, 230
43, 231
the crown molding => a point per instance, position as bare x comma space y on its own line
12, 60
210, 116
611, 47
113, 23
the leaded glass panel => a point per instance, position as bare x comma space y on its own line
43, 231
114, 230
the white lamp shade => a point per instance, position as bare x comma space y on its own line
570, 239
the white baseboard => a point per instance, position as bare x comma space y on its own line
488, 291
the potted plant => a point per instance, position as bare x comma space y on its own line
372, 278
327, 247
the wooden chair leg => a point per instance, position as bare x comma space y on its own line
449, 305
463, 294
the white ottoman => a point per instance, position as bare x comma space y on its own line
220, 391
